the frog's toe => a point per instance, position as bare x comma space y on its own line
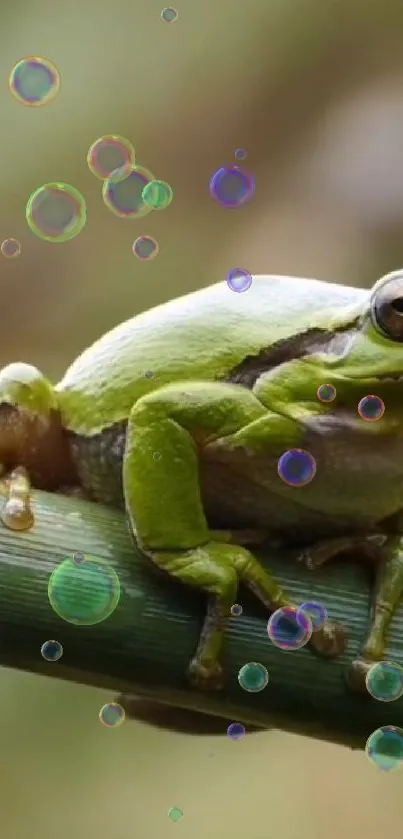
206, 675
357, 674
331, 640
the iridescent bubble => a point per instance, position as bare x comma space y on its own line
112, 714
145, 248
157, 195
157, 455
253, 677
148, 374
34, 81
51, 650
236, 610
84, 594
371, 408
296, 467
111, 156
78, 558
289, 629
326, 393
169, 15
56, 212
175, 814
123, 197
384, 681
232, 186
315, 611
236, 731
239, 280
384, 748
10, 248
240, 154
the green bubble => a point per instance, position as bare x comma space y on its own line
56, 212
157, 195
175, 814
86, 593
253, 677
384, 748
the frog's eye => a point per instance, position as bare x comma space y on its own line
387, 306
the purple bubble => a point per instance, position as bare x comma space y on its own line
289, 629
239, 280
232, 186
236, 731
296, 467
240, 154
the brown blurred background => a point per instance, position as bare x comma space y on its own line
313, 91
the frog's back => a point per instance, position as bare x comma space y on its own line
203, 335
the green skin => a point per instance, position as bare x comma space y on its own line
181, 414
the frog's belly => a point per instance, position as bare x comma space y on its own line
355, 486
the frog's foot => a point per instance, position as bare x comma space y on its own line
319, 554
331, 640
17, 512
357, 674
206, 675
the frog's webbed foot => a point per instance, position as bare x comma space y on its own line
330, 641
17, 512
357, 674
206, 675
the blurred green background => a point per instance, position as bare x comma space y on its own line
313, 92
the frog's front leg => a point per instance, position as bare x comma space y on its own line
163, 500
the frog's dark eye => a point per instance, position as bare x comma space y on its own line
387, 306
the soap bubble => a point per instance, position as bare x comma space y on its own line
111, 157
169, 15
78, 558
112, 714
384, 748
326, 393
384, 681
145, 248
289, 629
236, 731
253, 677
157, 195
123, 197
240, 154
296, 467
34, 81
56, 212
239, 280
10, 248
236, 610
84, 594
371, 408
232, 186
315, 611
51, 650
175, 814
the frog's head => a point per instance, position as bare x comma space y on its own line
31, 432
373, 351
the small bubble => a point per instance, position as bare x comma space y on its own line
289, 629
384, 681
253, 677
157, 455
51, 650
56, 212
145, 248
326, 393
239, 280
34, 81
296, 467
148, 374
384, 748
236, 610
112, 714
240, 154
236, 731
111, 156
371, 408
157, 195
84, 594
232, 186
169, 15
175, 814
123, 196
10, 248
78, 558
316, 613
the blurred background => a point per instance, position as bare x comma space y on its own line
313, 92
